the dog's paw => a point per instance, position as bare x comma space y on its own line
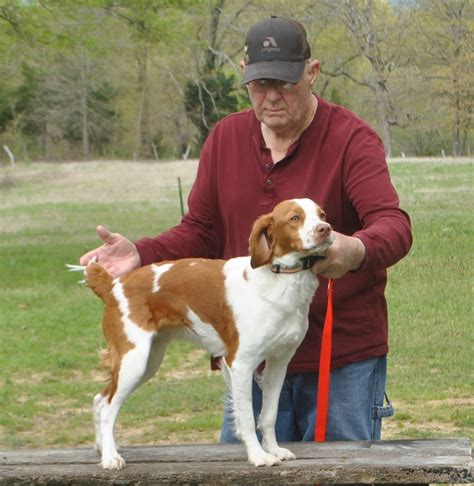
114, 463
263, 459
282, 454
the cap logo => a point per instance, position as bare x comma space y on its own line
270, 45
270, 41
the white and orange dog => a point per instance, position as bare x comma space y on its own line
246, 310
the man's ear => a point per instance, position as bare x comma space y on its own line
313, 71
261, 241
242, 66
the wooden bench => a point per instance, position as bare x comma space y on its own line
401, 462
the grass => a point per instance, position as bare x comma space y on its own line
430, 303
50, 327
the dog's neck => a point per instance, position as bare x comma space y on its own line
287, 289
293, 263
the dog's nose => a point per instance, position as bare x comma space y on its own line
322, 230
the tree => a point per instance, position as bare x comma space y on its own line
149, 79
376, 30
209, 99
67, 103
214, 93
446, 55
151, 24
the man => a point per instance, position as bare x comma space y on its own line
295, 144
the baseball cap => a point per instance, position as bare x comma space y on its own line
276, 48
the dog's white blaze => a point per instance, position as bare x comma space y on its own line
206, 335
311, 220
158, 271
134, 333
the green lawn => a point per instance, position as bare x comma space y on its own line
50, 326
430, 304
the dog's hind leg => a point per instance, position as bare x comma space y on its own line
131, 373
158, 348
272, 382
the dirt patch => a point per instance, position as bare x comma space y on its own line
458, 402
97, 182
31, 378
151, 433
437, 190
396, 429
190, 368
423, 419
7, 182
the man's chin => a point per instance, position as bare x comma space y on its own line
275, 121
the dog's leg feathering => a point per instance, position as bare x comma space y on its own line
229, 403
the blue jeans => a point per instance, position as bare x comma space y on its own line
356, 405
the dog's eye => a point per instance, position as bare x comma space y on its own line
295, 218
322, 215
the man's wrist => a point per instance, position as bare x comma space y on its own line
359, 253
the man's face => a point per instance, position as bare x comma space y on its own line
282, 106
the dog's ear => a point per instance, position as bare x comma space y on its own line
261, 241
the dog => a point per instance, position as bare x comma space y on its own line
246, 310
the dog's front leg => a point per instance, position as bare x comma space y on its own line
242, 376
272, 383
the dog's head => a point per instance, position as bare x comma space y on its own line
295, 229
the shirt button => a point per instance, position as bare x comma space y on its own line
269, 181
267, 166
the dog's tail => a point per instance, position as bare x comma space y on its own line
96, 277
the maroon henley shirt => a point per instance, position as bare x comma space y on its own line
339, 162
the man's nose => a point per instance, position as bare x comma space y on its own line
273, 93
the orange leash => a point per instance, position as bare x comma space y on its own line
324, 372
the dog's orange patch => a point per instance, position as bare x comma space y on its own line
180, 290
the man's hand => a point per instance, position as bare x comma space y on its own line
117, 255
345, 254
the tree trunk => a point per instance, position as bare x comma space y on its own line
143, 139
216, 10
456, 121
45, 136
83, 90
383, 113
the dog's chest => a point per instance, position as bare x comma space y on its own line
286, 333
271, 312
